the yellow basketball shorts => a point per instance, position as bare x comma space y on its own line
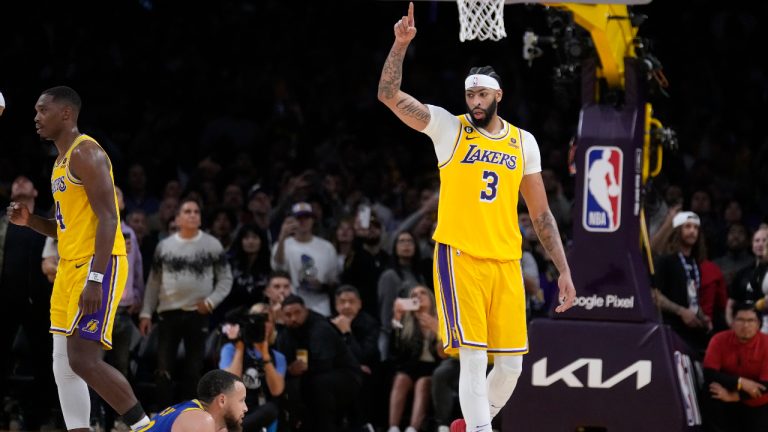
66, 316
481, 303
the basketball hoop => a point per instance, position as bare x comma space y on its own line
481, 19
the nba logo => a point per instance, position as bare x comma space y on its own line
602, 189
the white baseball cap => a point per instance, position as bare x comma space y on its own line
684, 217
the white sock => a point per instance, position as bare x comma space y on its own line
473, 391
502, 381
411, 429
140, 424
73, 391
443, 429
393, 429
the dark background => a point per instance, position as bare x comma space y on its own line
270, 88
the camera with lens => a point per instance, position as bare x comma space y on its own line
252, 325
252, 328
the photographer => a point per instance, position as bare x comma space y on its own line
248, 355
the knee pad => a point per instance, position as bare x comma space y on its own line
509, 365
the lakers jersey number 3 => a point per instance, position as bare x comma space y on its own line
479, 186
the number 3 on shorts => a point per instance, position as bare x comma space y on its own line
492, 182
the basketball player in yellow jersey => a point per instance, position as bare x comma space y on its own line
485, 162
93, 268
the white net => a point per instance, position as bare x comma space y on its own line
481, 19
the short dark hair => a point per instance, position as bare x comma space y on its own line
293, 299
747, 306
486, 70
278, 274
186, 200
65, 94
347, 289
215, 383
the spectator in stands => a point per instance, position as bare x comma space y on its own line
223, 224
278, 289
248, 354
25, 294
677, 283
138, 194
190, 276
249, 261
343, 241
736, 369
406, 272
750, 284
416, 351
361, 333
310, 260
737, 255
147, 240
366, 261
324, 378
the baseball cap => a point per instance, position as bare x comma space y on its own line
684, 217
302, 209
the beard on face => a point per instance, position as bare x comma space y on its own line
485, 121
233, 424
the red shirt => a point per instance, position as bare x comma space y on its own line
714, 292
727, 354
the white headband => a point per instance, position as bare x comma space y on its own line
478, 80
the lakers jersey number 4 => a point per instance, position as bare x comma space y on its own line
479, 188
75, 220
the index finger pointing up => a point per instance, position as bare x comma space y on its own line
410, 14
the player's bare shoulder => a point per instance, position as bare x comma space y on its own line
87, 157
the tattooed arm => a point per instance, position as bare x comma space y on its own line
532, 188
406, 107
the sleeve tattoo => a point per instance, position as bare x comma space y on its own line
546, 229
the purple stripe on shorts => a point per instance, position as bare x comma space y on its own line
90, 326
446, 291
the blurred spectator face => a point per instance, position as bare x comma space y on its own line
277, 289
700, 202
172, 189
733, 212
344, 232
423, 226
221, 226
332, 184
426, 194
167, 209
260, 203
306, 222
758, 242
294, 315
745, 325
137, 220
188, 218
210, 196
348, 304
233, 197
23, 189
137, 178
737, 237
689, 233
120, 200
405, 246
422, 294
251, 243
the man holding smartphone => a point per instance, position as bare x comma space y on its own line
310, 260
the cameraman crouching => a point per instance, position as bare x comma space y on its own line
248, 355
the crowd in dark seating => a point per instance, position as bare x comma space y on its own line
315, 207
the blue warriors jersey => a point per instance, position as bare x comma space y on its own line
163, 421
479, 186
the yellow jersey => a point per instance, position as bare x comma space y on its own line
75, 220
479, 188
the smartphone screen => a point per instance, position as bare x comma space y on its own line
364, 215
